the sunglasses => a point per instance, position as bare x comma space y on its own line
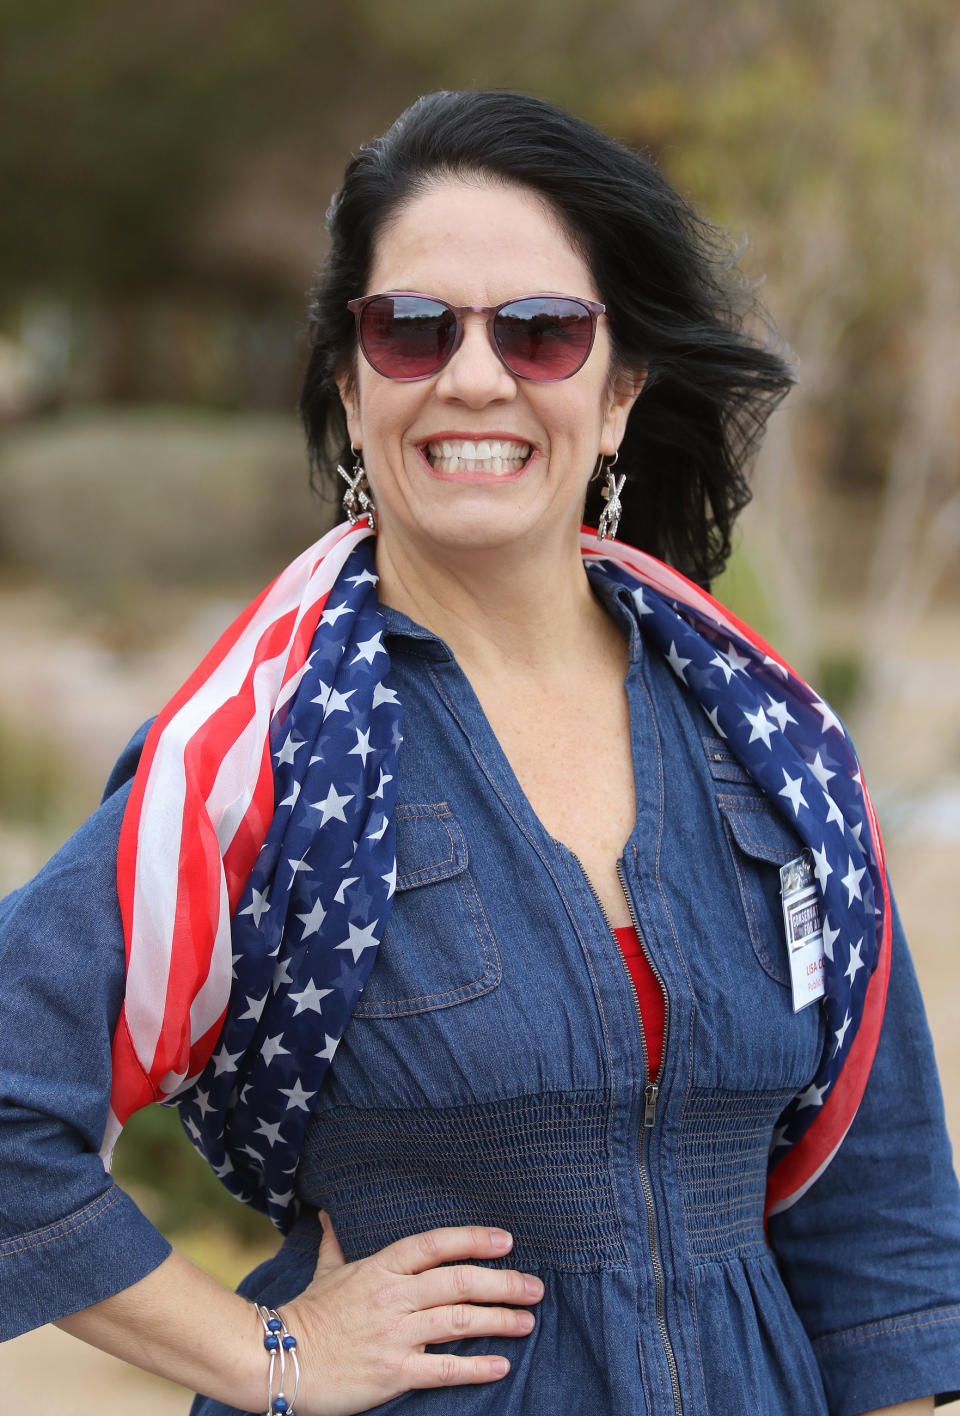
545, 338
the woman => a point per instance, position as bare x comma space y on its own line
520, 1181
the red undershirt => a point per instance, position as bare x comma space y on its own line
649, 995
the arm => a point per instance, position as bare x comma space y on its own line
871, 1254
68, 1234
907, 1408
75, 1249
361, 1327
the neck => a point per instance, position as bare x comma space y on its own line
523, 609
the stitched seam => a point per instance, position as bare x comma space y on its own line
492, 971
430, 811
62, 1227
518, 1106
475, 988
735, 812
886, 1327
750, 908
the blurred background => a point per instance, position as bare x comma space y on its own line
166, 171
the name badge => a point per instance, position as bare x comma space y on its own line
804, 930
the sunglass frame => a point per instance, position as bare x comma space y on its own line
357, 308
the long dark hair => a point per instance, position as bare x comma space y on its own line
675, 305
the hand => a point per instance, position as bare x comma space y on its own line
362, 1327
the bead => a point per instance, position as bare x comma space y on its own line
280, 1405
271, 1342
289, 1341
275, 1325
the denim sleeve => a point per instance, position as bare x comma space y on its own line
69, 1236
871, 1254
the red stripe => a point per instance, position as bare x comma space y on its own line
197, 904
241, 854
132, 1088
202, 1049
199, 866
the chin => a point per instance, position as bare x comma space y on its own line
465, 528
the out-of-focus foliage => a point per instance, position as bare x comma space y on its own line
109, 506
178, 159
175, 1187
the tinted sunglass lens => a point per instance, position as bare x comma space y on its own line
407, 336
544, 339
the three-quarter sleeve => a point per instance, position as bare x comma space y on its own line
870, 1253
69, 1236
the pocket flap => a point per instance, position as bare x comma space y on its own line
759, 829
723, 765
430, 844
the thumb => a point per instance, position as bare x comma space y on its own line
330, 1255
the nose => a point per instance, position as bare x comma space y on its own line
475, 376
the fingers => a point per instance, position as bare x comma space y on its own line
446, 1369
419, 1252
456, 1320
466, 1283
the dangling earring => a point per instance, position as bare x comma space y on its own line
612, 512
357, 499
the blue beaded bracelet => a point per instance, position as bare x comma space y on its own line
278, 1342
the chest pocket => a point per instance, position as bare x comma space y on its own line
760, 841
438, 949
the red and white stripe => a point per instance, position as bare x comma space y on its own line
199, 810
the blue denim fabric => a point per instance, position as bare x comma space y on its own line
494, 1072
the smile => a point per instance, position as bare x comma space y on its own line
497, 457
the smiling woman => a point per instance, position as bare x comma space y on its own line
490, 891
483, 242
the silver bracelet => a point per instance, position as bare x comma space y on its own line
279, 1343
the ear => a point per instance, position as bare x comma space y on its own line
624, 393
347, 388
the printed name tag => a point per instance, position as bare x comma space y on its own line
804, 930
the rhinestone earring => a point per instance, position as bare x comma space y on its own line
357, 500
612, 512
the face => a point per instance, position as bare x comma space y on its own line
473, 244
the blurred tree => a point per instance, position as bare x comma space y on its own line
173, 163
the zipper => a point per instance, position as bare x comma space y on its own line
651, 1095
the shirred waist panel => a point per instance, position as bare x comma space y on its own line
540, 1166
723, 1145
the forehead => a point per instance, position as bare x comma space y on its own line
476, 242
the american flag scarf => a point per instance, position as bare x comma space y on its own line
256, 863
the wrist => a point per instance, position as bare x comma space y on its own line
283, 1363
235, 1365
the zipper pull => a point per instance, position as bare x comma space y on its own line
650, 1092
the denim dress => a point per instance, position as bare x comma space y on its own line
495, 1072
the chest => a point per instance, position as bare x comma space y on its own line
570, 750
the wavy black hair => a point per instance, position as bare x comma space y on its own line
675, 305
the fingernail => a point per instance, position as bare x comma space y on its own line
525, 1321
500, 1240
500, 1366
533, 1287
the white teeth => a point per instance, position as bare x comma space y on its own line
486, 455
